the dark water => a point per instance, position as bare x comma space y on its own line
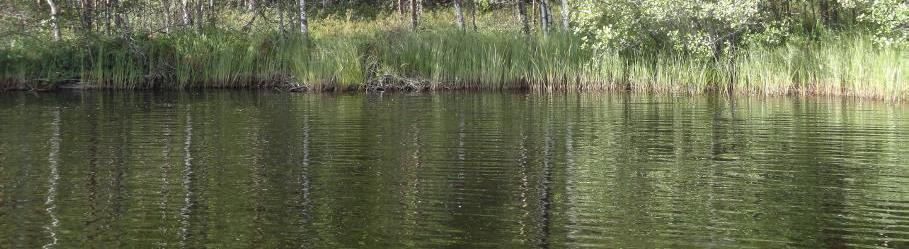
463, 170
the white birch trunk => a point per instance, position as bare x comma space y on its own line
55, 24
459, 15
304, 24
186, 15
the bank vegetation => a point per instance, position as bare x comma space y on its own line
761, 47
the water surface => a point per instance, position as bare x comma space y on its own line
246, 169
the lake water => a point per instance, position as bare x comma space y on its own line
247, 169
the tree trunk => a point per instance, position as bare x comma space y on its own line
211, 14
146, 18
120, 23
459, 15
281, 26
200, 20
544, 17
522, 11
420, 6
534, 20
88, 7
167, 12
252, 5
55, 24
324, 8
294, 19
413, 15
304, 25
107, 17
565, 15
401, 7
473, 14
186, 15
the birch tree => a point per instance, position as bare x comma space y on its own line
459, 15
186, 15
544, 16
55, 23
413, 15
120, 22
522, 11
87, 7
304, 24
473, 14
324, 7
565, 15
200, 15
167, 15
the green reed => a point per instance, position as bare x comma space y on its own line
850, 66
451, 59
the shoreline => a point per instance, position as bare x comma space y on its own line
451, 60
441, 87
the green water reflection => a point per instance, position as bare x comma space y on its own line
228, 169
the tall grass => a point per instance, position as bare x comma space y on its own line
850, 67
456, 59
449, 58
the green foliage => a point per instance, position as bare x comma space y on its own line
696, 27
712, 28
889, 20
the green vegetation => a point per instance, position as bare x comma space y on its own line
612, 45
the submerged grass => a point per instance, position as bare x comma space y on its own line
447, 58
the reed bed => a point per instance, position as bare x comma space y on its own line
450, 59
847, 67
